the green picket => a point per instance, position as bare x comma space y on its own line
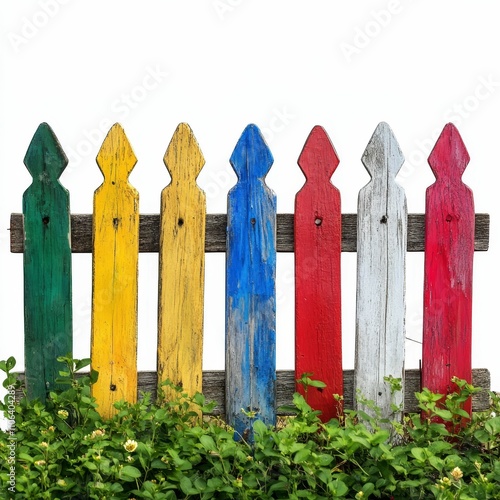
47, 264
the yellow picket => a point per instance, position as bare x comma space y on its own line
182, 266
114, 265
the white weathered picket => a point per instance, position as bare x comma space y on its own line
380, 289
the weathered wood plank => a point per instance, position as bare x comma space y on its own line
114, 275
380, 287
318, 326
182, 266
250, 288
47, 264
449, 255
214, 388
81, 233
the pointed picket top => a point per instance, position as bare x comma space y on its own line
449, 157
383, 151
183, 157
251, 153
45, 157
318, 159
116, 158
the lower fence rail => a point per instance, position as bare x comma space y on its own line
214, 388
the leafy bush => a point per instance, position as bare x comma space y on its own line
169, 450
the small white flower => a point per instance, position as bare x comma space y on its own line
97, 433
457, 473
130, 445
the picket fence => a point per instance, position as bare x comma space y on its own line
251, 233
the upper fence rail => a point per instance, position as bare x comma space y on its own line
216, 225
251, 233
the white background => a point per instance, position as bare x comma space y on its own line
285, 65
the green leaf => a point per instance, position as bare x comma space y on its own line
368, 489
361, 440
437, 463
316, 383
419, 453
462, 413
93, 376
324, 460
214, 483
302, 455
81, 363
187, 486
10, 363
279, 486
130, 473
158, 464
444, 414
200, 484
387, 453
259, 427
440, 447
493, 426
482, 436
379, 437
25, 456
338, 488
208, 443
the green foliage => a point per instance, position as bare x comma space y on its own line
170, 449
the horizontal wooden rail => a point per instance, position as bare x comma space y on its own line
214, 388
149, 230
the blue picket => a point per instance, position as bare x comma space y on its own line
251, 288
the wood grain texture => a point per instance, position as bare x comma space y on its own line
449, 254
250, 288
47, 265
380, 288
318, 327
114, 275
215, 233
182, 266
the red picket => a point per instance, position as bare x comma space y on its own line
317, 228
449, 252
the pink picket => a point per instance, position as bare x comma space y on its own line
449, 252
